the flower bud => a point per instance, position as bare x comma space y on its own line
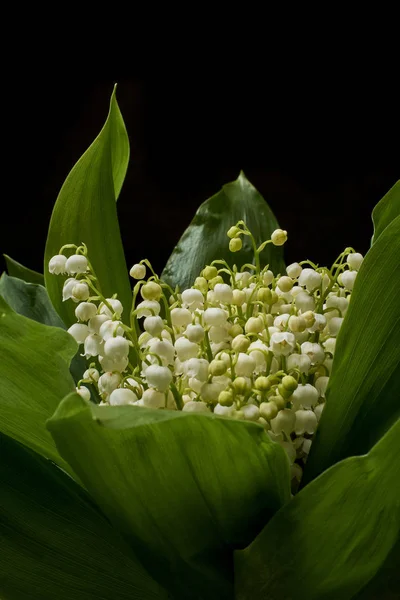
154, 325
151, 291
240, 385
158, 377
304, 302
153, 399
215, 316
263, 384
109, 382
80, 292
289, 383
285, 284
85, 311
186, 349
214, 281
122, 396
209, 272
225, 398
267, 277
79, 332
347, 279
194, 333
297, 324
294, 270
254, 325
116, 347
96, 322
83, 392
217, 367
233, 232
284, 392
240, 343
91, 374
284, 421
235, 330
224, 411
242, 279
76, 264
355, 260
57, 264
238, 297
211, 391
267, 296
245, 365
138, 271
251, 412
235, 245
223, 293
201, 284
278, 237
268, 410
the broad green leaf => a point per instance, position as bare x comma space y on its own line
55, 544
85, 211
32, 301
386, 210
333, 537
184, 489
385, 585
15, 269
34, 375
362, 399
206, 237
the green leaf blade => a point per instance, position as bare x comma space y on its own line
34, 375
362, 400
15, 269
85, 211
333, 537
387, 209
185, 489
55, 543
206, 237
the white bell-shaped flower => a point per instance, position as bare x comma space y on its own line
215, 316
258, 351
68, 286
284, 421
334, 326
306, 422
304, 395
118, 364
254, 325
153, 398
243, 278
319, 323
251, 412
211, 391
116, 306
83, 392
91, 374
355, 260
93, 345
334, 301
194, 333
76, 264
110, 329
138, 271
310, 279
57, 264
154, 325
329, 345
321, 384
347, 279
108, 382
116, 347
238, 297
294, 270
278, 237
245, 365
162, 348
122, 396
148, 308
196, 367
192, 299
180, 317
79, 332
185, 349
314, 351
223, 293
195, 384
224, 411
306, 446
218, 334
80, 292
298, 361
96, 322
281, 321
304, 301
318, 410
158, 377
85, 311
196, 407
282, 343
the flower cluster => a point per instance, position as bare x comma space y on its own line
243, 344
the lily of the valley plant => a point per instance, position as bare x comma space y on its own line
228, 429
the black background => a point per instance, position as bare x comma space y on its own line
321, 155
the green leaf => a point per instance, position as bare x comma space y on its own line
362, 399
206, 237
34, 375
385, 584
184, 489
55, 544
15, 269
386, 210
32, 301
85, 211
333, 537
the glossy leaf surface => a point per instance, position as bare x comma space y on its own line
206, 237
386, 210
15, 269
